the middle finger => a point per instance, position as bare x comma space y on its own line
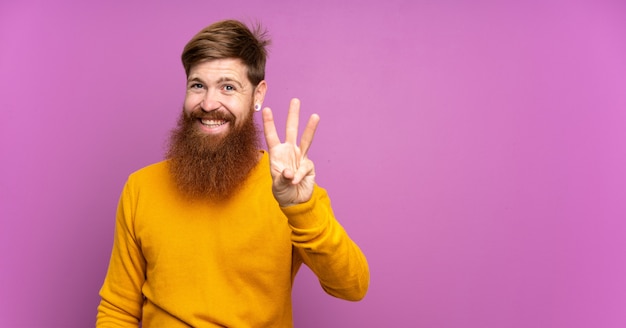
291, 134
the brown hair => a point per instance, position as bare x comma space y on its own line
229, 39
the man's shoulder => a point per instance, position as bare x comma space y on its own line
154, 168
153, 172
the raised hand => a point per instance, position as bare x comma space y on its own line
293, 173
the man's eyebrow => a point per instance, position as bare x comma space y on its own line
220, 80
229, 79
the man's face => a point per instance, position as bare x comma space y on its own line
215, 144
220, 97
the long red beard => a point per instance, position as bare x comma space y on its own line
206, 167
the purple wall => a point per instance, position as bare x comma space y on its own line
476, 150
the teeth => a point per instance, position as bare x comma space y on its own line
213, 123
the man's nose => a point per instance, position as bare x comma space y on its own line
210, 101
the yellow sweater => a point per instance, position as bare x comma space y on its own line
177, 263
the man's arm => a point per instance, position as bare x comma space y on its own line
326, 248
122, 300
319, 239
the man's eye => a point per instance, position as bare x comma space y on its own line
229, 88
196, 86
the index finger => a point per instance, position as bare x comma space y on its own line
269, 128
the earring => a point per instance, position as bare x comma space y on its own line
257, 107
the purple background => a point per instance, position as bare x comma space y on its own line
475, 150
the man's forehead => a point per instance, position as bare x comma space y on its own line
217, 69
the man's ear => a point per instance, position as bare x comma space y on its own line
259, 93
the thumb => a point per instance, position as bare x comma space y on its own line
286, 176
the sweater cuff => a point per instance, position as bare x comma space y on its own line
308, 215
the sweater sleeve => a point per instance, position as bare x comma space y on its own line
121, 296
326, 248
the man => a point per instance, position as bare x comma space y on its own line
214, 235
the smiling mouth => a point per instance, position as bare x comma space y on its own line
213, 123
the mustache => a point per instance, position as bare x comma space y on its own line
212, 115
